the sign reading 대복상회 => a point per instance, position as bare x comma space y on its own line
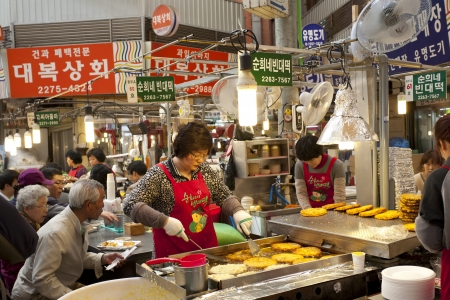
272, 69
428, 86
155, 89
47, 118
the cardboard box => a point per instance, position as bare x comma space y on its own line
416, 162
134, 228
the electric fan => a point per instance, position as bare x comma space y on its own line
359, 53
387, 25
184, 108
315, 105
273, 97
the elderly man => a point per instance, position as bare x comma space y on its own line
61, 253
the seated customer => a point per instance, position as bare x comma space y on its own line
61, 255
136, 170
431, 160
54, 206
100, 173
32, 205
8, 180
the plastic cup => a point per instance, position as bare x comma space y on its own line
118, 225
358, 260
108, 223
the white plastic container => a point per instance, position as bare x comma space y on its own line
246, 202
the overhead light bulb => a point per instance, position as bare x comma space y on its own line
9, 142
36, 129
106, 140
89, 124
105, 134
401, 103
266, 125
17, 139
246, 87
346, 145
13, 151
98, 142
103, 140
219, 145
28, 141
262, 131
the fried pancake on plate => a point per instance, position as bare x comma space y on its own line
405, 215
410, 226
273, 267
409, 209
313, 212
285, 247
373, 212
345, 207
304, 260
309, 252
286, 257
232, 269
355, 211
388, 215
259, 262
333, 205
240, 255
219, 277
411, 199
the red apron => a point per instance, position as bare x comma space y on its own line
445, 269
192, 199
319, 186
73, 172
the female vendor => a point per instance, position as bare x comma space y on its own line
173, 197
319, 178
431, 160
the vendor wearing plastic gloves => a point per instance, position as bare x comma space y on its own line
174, 196
319, 178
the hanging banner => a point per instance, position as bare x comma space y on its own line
152, 89
431, 46
272, 69
313, 35
47, 118
177, 51
424, 87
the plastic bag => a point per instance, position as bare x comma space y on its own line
386, 233
229, 173
435, 263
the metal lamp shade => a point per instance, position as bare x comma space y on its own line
346, 124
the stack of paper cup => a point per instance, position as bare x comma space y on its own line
110, 187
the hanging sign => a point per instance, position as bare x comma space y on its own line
30, 119
313, 35
429, 86
130, 87
47, 118
272, 69
154, 89
165, 20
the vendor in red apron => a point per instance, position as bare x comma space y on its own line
319, 178
174, 196
74, 161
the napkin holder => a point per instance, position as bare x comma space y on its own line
134, 228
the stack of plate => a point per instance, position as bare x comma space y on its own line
408, 282
253, 169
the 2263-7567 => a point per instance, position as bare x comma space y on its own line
51, 89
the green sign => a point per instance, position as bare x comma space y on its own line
428, 86
272, 69
47, 118
155, 89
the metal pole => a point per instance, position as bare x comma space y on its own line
374, 144
384, 132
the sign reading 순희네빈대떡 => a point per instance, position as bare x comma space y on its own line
429, 86
151, 89
272, 69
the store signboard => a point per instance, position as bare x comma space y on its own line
313, 35
432, 46
165, 20
428, 86
155, 89
47, 118
175, 51
130, 83
272, 69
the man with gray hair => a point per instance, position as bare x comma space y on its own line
61, 254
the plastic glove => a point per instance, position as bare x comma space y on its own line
174, 227
243, 221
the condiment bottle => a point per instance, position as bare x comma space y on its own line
163, 157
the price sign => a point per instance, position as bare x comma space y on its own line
272, 69
47, 118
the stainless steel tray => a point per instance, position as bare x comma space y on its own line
343, 233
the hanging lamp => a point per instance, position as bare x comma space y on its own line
17, 139
28, 139
36, 129
246, 87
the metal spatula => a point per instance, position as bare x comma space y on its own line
252, 245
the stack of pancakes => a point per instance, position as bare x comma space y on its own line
409, 207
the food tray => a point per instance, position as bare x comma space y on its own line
118, 245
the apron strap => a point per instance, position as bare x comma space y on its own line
333, 160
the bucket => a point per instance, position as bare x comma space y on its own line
194, 279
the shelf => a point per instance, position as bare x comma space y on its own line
256, 159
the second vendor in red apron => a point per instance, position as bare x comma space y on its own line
319, 178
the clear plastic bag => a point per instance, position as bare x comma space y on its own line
386, 233
435, 263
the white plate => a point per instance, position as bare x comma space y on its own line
121, 179
118, 245
407, 273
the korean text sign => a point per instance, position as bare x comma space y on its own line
431, 46
47, 118
313, 35
272, 69
46, 71
155, 89
429, 86
182, 52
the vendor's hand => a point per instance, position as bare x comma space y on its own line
108, 258
243, 221
174, 227
109, 216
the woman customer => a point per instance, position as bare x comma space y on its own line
32, 205
431, 160
174, 196
319, 178
433, 223
74, 160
